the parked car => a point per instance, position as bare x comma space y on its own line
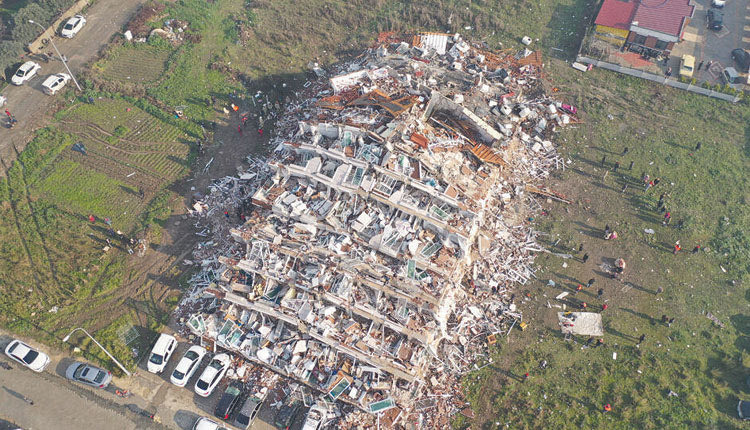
730, 76
718, 3
743, 409
286, 415
228, 400
88, 374
714, 20
742, 58
687, 65
25, 72
3, 101
27, 356
247, 413
315, 417
54, 83
187, 366
212, 374
160, 353
73, 26
207, 424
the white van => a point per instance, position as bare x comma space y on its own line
160, 353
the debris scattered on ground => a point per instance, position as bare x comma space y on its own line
371, 258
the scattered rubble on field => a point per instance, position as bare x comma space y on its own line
371, 259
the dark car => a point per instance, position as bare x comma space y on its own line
714, 19
742, 58
743, 409
247, 413
228, 400
286, 415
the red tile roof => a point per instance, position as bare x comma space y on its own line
616, 14
665, 16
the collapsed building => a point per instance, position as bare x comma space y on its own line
386, 229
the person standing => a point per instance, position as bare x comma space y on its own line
617, 165
585, 258
631, 165
600, 292
700, 65
641, 339
604, 160
698, 146
590, 283
677, 247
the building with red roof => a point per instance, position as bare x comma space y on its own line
648, 26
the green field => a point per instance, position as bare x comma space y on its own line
133, 64
57, 271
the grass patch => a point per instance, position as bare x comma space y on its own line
136, 64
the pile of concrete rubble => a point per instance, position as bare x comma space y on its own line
371, 258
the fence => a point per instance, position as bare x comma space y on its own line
659, 79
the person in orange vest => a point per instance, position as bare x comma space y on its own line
677, 247
607, 408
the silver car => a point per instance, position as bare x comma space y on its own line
88, 374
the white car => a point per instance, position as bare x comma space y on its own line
25, 72
26, 355
3, 101
54, 83
212, 374
315, 418
207, 424
188, 364
73, 26
160, 353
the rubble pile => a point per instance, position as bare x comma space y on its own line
379, 243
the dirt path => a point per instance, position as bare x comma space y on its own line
29, 104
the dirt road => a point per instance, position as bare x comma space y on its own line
28, 103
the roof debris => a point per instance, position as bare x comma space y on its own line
381, 240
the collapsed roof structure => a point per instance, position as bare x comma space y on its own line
386, 229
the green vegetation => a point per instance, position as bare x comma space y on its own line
57, 272
133, 64
705, 189
15, 16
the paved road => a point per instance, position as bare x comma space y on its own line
63, 405
29, 104
60, 404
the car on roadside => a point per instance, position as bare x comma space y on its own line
718, 3
742, 58
315, 418
187, 365
286, 415
248, 412
88, 374
730, 76
27, 71
743, 410
26, 355
714, 20
207, 424
3, 101
687, 66
228, 400
54, 83
73, 26
212, 375
160, 353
